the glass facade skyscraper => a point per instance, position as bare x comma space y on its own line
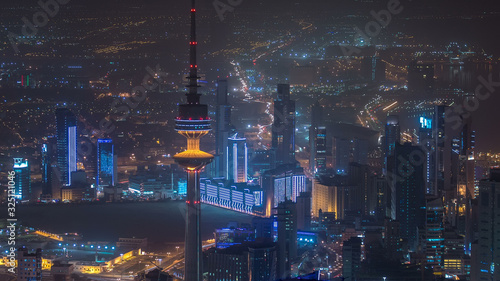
22, 178
66, 143
106, 165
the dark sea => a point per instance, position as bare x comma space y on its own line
160, 222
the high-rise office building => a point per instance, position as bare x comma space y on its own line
287, 237
251, 261
46, 169
442, 152
283, 129
407, 190
193, 123
222, 130
392, 239
392, 135
304, 211
22, 179
434, 235
29, 265
383, 204
237, 159
351, 258
66, 144
426, 140
317, 140
106, 163
488, 253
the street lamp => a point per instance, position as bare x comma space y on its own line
177, 247
168, 254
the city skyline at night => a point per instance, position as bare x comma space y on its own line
243, 140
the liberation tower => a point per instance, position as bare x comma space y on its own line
193, 123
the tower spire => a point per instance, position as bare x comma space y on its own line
192, 96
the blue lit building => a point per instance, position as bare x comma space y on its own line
66, 144
106, 163
426, 140
46, 169
239, 197
392, 136
227, 237
22, 178
237, 159
434, 235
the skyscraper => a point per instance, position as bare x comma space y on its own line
287, 237
304, 211
237, 159
193, 123
488, 253
106, 163
434, 235
392, 134
223, 129
406, 178
426, 140
442, 151
22, 179
317, 140
351, 258
66, 144
46, 169
283, 142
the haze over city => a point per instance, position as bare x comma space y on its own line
249, 140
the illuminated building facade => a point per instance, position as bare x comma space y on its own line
426, 140
46, 169
238, 197
106, 163
434, 235
227, 237
193, 123
237, 159
324, 198
288, 186
29, 265
22, 178
66, 144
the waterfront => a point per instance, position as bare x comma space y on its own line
160, 222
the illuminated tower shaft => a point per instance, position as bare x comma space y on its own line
193, 123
